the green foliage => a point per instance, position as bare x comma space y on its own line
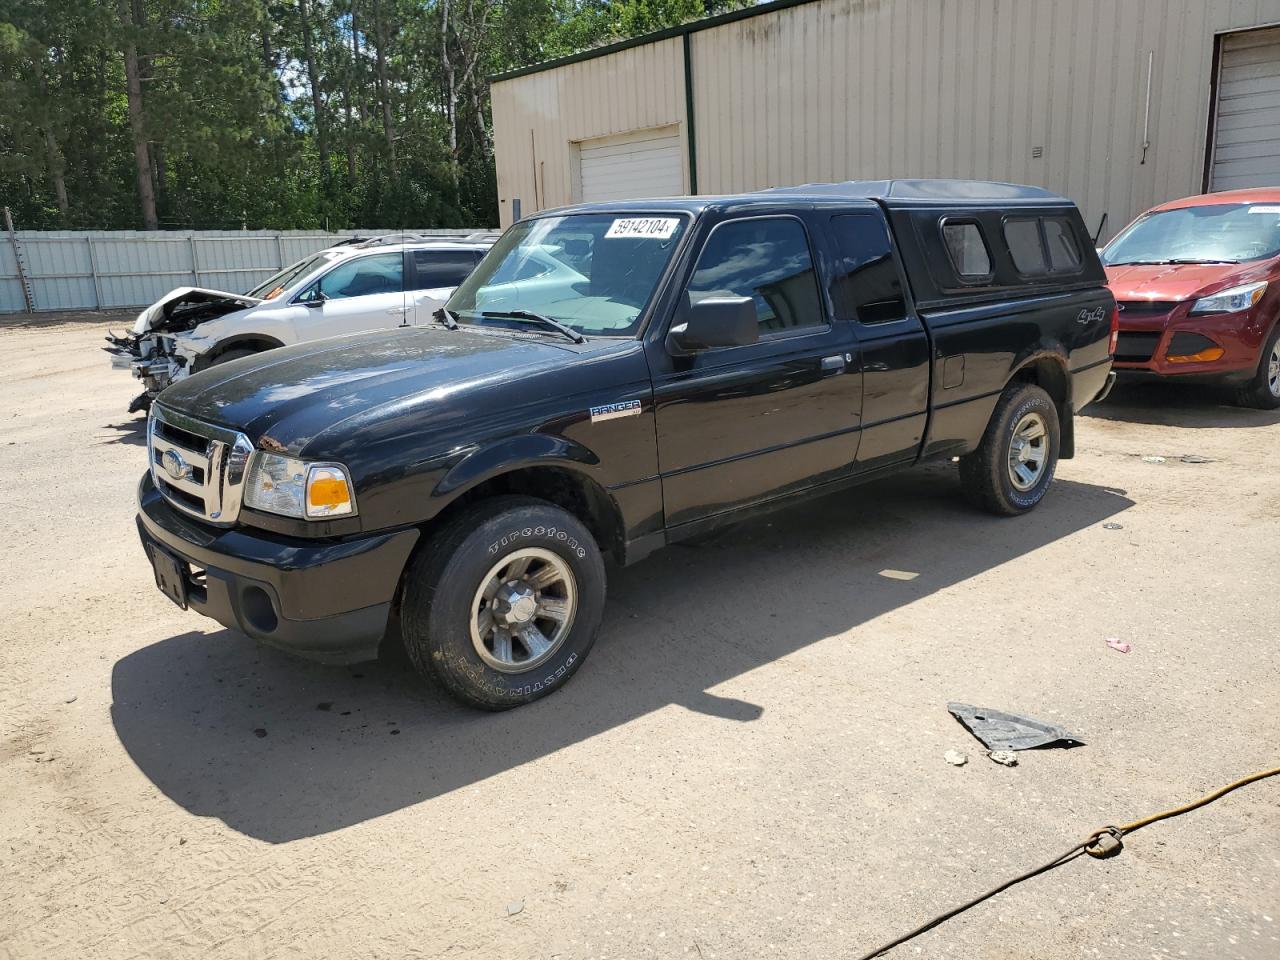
230, 120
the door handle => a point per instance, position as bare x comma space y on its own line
833, 364
396, 311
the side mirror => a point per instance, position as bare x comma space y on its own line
313, 298
715, 322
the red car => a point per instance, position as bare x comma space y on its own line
1197, 283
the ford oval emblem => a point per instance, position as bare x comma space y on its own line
175, 466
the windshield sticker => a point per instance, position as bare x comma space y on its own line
648, 228
1269, 209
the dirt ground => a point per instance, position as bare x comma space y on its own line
749, 765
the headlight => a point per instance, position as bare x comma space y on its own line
295, 488
1231, 301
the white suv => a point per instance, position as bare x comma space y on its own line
359, 285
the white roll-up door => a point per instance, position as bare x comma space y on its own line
1246, 144
647, 163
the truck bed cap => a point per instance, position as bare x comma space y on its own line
950, 191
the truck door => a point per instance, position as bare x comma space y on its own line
868, 290
740, 425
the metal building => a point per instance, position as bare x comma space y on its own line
1118, 104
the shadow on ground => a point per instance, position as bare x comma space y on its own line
279, 749
1178, 405
132, 433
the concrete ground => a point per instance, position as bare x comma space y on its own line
749, 765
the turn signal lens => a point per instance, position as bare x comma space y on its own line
1115, 330
328, 492
1204, 356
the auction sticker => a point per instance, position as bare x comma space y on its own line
1266, 209
647, 228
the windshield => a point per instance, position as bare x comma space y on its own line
272, 287
594, 273
1218, 233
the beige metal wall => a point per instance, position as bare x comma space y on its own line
538, 119
845, 89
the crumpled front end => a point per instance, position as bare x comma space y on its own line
162, 346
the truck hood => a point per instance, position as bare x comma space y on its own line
284, 398
183, 308
1180, 281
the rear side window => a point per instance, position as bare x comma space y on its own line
967, 249
441, 268
866, 286
1023, 238
1041, 245
766, 259
1064, 251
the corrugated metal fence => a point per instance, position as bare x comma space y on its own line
92, 270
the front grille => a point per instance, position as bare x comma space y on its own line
1136, 346
1145, 308
198, 467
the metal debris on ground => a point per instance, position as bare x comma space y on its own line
1153, 459
1117, 644
1009, 731
955, 758
1006, 758
1196, 458
514, 907
1112, 526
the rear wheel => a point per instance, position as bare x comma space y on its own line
504, 602
1012, 468
1263, 391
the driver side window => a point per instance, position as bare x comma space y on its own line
381, 273
766, 259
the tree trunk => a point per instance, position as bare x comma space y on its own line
346, 102
450, 87
137, 126
388, 128
317, 95
357, 65
54, 159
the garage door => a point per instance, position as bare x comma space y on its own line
1246, 146
648, 163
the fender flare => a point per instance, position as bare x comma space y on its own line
515, 453
1055, 354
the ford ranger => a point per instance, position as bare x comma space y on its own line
613, 378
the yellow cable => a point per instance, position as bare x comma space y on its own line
1207, 798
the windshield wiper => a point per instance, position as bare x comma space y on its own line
532, 317
447, 318
1180, 261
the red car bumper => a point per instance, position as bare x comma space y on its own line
1165, 339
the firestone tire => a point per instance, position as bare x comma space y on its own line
1012, 468
1263, 391
482, 581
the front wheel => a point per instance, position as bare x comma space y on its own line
1263, 391
504, 602
1014, 464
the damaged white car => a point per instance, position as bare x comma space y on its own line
360, 285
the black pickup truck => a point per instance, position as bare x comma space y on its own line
613, 378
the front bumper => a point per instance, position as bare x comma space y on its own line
323, 600
1146, 339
